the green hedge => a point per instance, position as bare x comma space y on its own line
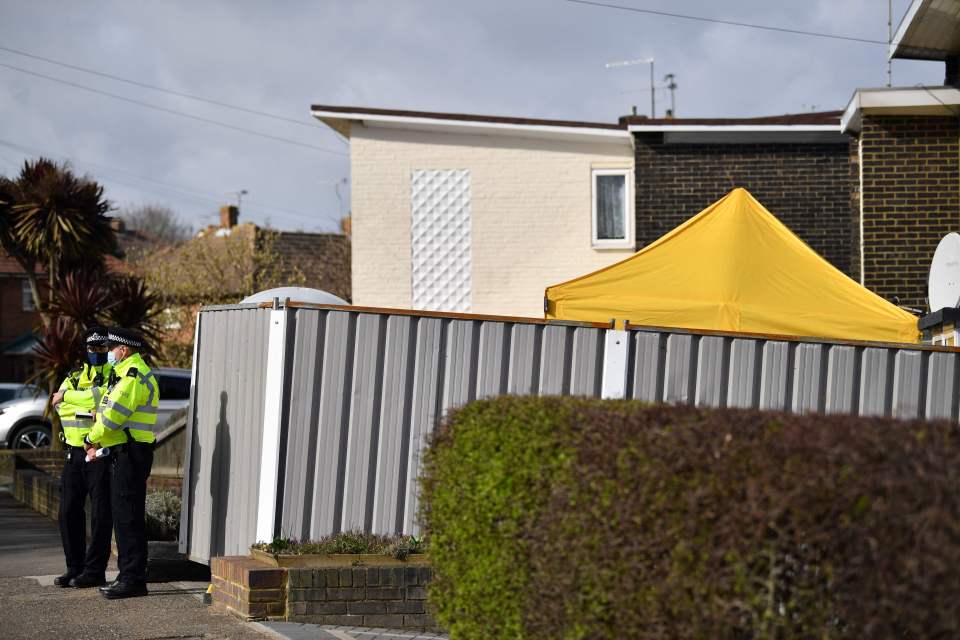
570, 518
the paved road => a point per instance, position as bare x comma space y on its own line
33, 608
31, 556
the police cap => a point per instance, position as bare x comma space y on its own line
126, 337
96, 336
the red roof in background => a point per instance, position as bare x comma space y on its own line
10, 266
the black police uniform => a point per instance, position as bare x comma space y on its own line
86, 564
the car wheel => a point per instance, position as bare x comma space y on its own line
32, 436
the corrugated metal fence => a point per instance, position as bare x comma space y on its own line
310, 420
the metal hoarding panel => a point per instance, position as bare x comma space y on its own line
680, 370
746, 365
941, 387
228, 424
428, 375
587, 362
302, 428
649, 362
363, 431
775, 376
460, 369
711, 381
525, 346
329, 462
493, 359
876, 381
843, 370
908, 377
809, 378
394, 434
555, 361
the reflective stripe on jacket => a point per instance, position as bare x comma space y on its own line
130, 403
83, 391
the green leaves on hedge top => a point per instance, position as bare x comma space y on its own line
573, 518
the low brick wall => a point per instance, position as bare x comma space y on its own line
391, 597
248, 588
38, 491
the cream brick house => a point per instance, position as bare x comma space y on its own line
480, 214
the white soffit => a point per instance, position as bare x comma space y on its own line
341, 122
929, 30
933, 101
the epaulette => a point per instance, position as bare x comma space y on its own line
133, 373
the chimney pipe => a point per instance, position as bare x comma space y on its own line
228, 216
117, 225
952, 78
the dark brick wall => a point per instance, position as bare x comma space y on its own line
807, 186
911, 199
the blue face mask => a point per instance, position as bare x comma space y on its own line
97, 359
112, 358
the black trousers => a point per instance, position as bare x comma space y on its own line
131, 468
79, 480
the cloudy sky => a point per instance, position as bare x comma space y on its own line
533, 58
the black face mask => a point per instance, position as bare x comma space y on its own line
96, 359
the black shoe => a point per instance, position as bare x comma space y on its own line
64, 580
125, 590
85, 581
108, 586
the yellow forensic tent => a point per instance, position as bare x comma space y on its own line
732, 267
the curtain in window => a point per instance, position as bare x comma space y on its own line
611, 221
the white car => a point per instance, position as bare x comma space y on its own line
22, 425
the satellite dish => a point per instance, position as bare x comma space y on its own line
300, 294
943, 289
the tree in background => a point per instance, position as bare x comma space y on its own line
57, 220
159, 223
51, 218
210, 270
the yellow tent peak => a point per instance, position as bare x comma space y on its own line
732, 267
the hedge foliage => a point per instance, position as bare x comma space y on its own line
574, 518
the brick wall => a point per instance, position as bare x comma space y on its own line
248, 588
807, 186
364, 596
911, 199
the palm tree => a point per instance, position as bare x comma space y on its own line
58, 219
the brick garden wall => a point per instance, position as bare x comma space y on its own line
911, 199
368, 596
807, 186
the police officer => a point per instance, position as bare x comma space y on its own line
75, 401
125, 422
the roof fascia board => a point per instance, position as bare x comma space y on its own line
904, 26
659, 128
902, 100
499, 127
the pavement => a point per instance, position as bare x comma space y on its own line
31, 557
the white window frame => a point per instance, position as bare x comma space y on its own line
628, 242
26, 297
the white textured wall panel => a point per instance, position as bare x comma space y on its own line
440, 239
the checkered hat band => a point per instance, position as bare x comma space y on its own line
97, 337
112, 337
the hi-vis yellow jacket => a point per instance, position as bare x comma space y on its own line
83, 390
130, 403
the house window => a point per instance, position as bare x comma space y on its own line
612, 211
26, 297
